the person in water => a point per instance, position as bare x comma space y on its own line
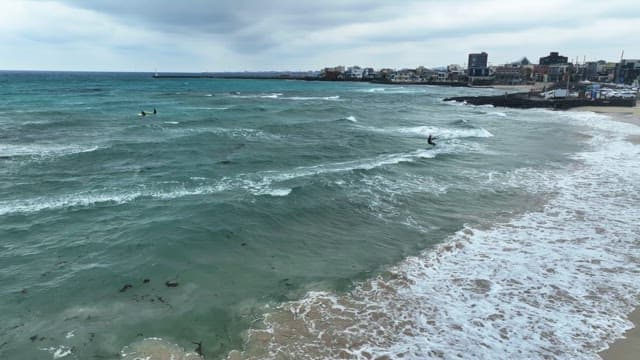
154, 111
430, 140
143, 113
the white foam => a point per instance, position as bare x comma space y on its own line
351, 118
172, 122
440, 132
262, 183
360, 164
257, 184
308, 98
63, 201
86, 199
43, 150
58, 352
156, 349
274, 192
271, 96
454, 103
212, 108
395, 90
555, 283
233, 132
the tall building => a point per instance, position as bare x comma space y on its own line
627, 71
553, 58
478, 64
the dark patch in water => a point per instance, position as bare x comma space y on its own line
126, 287
171, 283
198, 349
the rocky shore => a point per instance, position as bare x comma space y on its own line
527, 100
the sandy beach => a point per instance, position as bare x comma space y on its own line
628, 347
522, 88
620, 113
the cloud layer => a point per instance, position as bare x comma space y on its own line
222, 35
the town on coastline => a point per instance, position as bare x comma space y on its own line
554, 82
553, 68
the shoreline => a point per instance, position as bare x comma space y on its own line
629, 115
626, 347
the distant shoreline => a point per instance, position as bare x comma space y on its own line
306, 78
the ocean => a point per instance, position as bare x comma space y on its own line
274, 219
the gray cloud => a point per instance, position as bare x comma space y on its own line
226, 16
251, 34
244, 25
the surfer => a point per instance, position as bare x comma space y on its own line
430, 140
154, 111
143, 113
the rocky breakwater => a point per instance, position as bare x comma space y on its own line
531, 100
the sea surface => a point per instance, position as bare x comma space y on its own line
273, 219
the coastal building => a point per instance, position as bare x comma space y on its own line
627, 71
441, 75
553, 58
609, 69
332, 73
354, 73
540, 73
456, 72
477, 69
593, 70
513, 73
508, 74
405, 76
385, 74
369, 74
554, 68
559, 72
478, 64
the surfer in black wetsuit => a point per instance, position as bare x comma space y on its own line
143, 113
430, 140
154, 111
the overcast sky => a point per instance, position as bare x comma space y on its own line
230, 35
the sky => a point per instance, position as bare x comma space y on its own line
257, 35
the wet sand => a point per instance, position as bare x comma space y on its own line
538, 87
629, 115
515, 88
633, 113
627, 348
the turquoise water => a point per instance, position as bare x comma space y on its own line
257, 195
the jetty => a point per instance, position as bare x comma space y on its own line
528, 100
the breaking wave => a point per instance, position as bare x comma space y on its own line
537, 286
262, 183
43, 150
